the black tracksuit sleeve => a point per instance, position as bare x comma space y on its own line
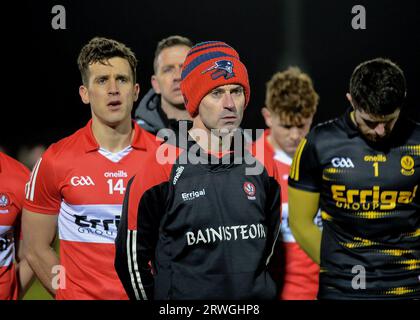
273, 214
136, 239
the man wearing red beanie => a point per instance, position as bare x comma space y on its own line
202, 225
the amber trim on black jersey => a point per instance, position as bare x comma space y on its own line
370, 206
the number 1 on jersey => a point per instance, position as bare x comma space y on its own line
376, 169
119, 186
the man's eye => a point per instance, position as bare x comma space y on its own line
216, 93
237, 91
101, 80
123, 80
370, 123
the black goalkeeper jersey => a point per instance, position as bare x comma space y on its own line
370, 206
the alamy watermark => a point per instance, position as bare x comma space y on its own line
59, 19
58, 281
359, 20
238, 141
359, 280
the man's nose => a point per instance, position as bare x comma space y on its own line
380, 129
294, 133
113, 87
178, 73
228, 102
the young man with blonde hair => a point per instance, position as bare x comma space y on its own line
290, 104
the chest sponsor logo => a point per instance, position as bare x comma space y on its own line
98, 226
4, 200
226, 233
97, 223
371, 199
407, 165
188, 196
6, 237
5, 243
77, 181
250, 190
341, 162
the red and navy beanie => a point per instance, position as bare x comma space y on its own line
209, 65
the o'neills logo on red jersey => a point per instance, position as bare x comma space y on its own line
117, 174
226, 233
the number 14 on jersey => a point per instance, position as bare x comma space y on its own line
118, 186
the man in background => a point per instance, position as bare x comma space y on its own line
290, 104
163, 105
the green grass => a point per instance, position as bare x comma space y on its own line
37, 292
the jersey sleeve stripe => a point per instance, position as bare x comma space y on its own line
274, 245
130, 269
134, 271
32, 181
292, 170
296, 161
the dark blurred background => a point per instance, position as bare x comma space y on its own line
41, 79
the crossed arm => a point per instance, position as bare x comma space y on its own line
39, 232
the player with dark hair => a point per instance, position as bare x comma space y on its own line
203, 226
362, 170
163, 105
79, 182
15, 273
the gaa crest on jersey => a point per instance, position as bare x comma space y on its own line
77, 181
4, 200
342, 162
250, 190
222, 68
407, 165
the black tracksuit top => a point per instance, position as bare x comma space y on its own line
199, 231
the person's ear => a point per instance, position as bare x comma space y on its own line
136, 91
267, 117
155, 84
84, 94
350, 99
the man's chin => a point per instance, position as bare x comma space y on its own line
290, 151
178, 102
224, 131
180, 106
376, 139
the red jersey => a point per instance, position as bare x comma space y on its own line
13, 176
300, 279
85, 185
